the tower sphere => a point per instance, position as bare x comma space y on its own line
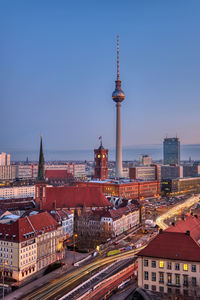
118, 95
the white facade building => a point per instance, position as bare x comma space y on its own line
17, 192
4, 159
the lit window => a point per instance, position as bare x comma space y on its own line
185, 267
161, 264
99, 156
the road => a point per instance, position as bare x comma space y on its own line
160, 221
59, 287
109, 284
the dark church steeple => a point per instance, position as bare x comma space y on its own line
41, 163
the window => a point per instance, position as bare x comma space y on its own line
161, 264
177, 279
153, 288
169, 265
194, 281
177, 291
153, 264
153, 276
146, 262
146, 275
185, 292
193, 268
169, 278
177, 266
185, 280
161, 277
161, 289
169, 290
146, 286
185, 267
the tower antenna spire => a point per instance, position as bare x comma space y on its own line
118, 57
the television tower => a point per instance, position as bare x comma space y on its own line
118, 96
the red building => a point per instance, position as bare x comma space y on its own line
101, 163
71, 197
126, 188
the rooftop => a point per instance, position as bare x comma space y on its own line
173, 245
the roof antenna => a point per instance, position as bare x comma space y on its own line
118, 57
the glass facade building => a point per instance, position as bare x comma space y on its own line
171, 151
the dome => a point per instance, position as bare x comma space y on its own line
118, 95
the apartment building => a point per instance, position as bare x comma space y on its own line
29, 244
170, 264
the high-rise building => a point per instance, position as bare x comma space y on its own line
118, 96
171, 151
4, 159
145, 160
101, 162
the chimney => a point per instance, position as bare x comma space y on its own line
196, 216
173, 224
183, 217
160, 231
187, 232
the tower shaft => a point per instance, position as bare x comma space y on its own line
118, 168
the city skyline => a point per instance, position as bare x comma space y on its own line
58, 73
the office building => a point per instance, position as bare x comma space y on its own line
171, 151
171, 172
145, 172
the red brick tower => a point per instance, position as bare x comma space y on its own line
101, 162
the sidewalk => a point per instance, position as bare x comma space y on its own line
37, 283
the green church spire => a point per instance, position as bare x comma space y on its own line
41, 163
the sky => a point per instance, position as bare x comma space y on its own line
58, 71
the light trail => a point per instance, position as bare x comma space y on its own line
54, 289
175, 210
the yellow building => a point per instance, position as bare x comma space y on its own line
29, 244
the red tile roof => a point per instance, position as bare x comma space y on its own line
72, 197
118, 213
172, 245
190, 223
28, 227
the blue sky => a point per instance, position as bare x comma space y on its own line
58, 67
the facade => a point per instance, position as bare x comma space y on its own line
7, 172
191, 170
101, 225
66, 218
118, 96
101, 163
26, 171
145, 160
4, 159
17, 192
147, 172
167, 268
171, 172
125, 188
171, 151
29, 244
76, 170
